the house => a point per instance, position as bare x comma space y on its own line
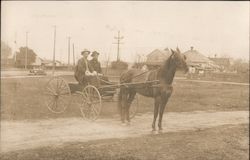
196, 59
38, 61
157, 57
222, 62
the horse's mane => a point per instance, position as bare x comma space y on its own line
167, 71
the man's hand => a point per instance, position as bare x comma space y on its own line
88, 73
94, 73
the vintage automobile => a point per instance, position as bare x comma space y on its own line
37, 71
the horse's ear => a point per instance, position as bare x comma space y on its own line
172, 51
172, 55
178, 50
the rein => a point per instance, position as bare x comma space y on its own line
141, 74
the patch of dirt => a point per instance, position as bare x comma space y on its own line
16, 135
228, 142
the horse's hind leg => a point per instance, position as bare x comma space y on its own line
156, 111
131, 96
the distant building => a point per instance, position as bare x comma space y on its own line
223, 62
38, 61
45, 62
157, 57
195, 58
198, 60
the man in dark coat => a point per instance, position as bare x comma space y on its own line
96, 65
83, 68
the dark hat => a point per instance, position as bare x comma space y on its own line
85, 50
94, 53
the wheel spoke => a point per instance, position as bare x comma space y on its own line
95, 110
52, 91
60, 83
95, 102
55, 106
84, 95
48, 93
52, 86
65, 87
64, 103
64, 93
52, 102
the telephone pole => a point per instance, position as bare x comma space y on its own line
26, 53
119, 38
54, 51
73, 50
15, 47
69, 52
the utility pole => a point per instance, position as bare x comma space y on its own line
61, 55
73, 49
15, 47
68, 52
26, 53
119, 38
54, 51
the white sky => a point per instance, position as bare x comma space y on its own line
220, 28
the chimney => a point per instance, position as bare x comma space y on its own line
192, 48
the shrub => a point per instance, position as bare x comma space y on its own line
119, 65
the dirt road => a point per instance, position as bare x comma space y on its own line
30, 134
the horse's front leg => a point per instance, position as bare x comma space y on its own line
162, 108
131, 97
164, 100
156, 111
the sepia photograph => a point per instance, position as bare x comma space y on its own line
124, 80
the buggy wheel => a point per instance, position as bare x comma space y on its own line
91, 103
57, 95
133, 107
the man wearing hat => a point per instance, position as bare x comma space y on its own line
83, 68
96, 65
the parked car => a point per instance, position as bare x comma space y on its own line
37, 71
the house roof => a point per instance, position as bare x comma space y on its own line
194, 56
49, 61
222, 61
157, 57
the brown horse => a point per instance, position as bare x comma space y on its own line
160, 91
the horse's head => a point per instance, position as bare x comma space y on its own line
179, 59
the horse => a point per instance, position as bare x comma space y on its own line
161, 92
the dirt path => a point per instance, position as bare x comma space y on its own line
31, 134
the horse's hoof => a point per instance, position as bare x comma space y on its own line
128, 123
123, 124
160, 130
153, 131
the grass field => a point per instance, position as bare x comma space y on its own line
229, 142
23, 99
